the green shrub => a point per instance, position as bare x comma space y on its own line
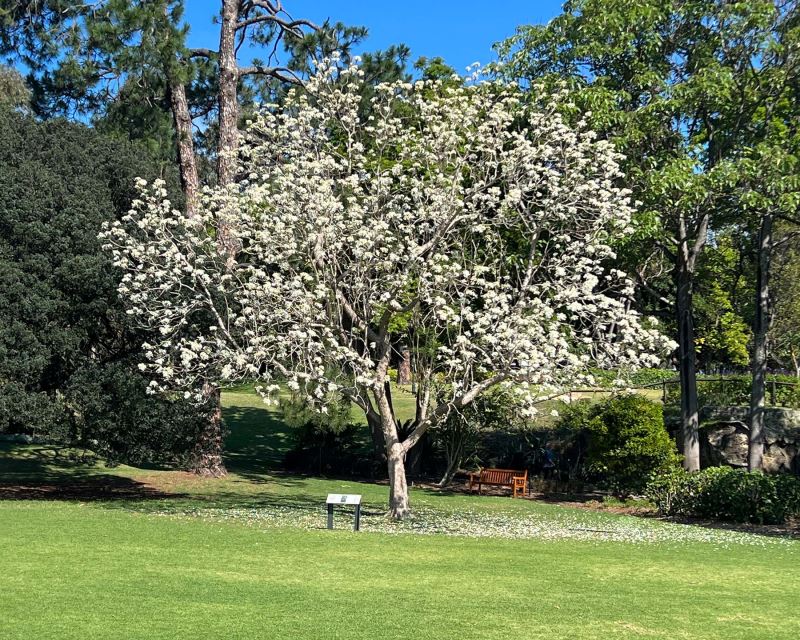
723, 493
325, 443
731, 494
490, 431
640, 378
644, 377
667, 490
628, 442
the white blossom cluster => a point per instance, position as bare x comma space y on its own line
455, 217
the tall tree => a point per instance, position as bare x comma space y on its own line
784, 334
84, 56
670, 82
416, 210
68, 351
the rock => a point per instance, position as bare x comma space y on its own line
724, 444
724, 438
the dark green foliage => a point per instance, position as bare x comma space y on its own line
487, 432
296, 413
781, 391
67, 355
640, 378
121, 422
723, 493
627, 440
325, 443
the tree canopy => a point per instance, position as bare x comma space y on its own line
68, 353
471, 222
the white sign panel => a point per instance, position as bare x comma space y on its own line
343, 498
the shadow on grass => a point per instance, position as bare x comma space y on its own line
257, 441
81, 488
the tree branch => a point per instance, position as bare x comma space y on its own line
202, 53
279, 73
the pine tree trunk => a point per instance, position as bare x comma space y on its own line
761, 321
690, 421
207, 455
206, 459
187, 161
228, 102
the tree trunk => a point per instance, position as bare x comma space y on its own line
690, 421
376, 431
453, 463
206, 459
399, 507
187, 161
761, 321
228, 102
404, 367
207, 455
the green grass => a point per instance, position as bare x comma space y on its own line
133, 553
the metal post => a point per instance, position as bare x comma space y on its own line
772, 393
357, 520
330, 516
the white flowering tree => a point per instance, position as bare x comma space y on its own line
458, 221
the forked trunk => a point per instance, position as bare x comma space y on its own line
449, 473
207, 454
761, 321
399, 507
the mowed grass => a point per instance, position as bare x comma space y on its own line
163, 554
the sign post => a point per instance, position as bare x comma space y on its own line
344, 499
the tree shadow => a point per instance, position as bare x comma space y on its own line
789, 530
89, 488
49, 472
257, 441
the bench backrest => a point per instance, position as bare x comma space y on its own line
501, 476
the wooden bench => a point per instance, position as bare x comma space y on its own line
514, 479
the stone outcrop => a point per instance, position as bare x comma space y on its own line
724, 435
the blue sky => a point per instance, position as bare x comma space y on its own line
461, 32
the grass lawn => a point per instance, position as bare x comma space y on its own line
134, 553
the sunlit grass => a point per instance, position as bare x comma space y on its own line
137, 553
